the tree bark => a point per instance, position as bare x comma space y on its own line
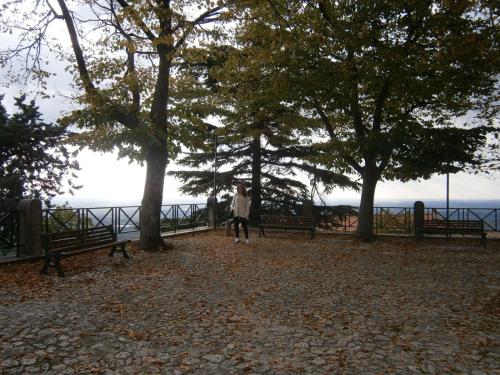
365, 219
156, 164
156, 159
256, 201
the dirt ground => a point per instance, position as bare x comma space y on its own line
283, 304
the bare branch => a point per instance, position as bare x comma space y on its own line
140, 23
202, 18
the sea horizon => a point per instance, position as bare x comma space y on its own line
76, 202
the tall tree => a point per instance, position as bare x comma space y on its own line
263, 141
124, 55
34, 160
386, 80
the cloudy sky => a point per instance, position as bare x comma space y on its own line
107, 180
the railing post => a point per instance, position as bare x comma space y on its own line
409, 221
344, 218
212, 212
176, 216
418, 216
30, 227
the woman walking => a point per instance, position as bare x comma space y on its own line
241, 210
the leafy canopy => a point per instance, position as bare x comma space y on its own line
383, 77
34, 160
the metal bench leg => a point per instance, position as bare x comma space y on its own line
113, 249
45, 268
57, 264
483, 239
124, 251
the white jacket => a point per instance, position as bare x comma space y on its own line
240, 206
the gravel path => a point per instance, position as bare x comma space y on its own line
280, 305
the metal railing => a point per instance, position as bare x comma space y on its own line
124, 219
399, 220
489, 216
174, 217
336, 218
183, 216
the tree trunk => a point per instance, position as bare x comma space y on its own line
150, 237
256, 201
365, 219
156, 160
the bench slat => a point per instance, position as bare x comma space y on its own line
287, 222
80, 232
65, 254
103, 243
284, 226
78, 241
66, 244
472, 227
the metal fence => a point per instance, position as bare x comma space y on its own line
9, 233
125, 220
399, 220
174, 217
489, 216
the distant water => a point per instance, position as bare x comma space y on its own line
442, 203
433, 203
83, 203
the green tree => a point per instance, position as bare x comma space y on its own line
64, 217
262, 141
387, 80
124, 56
34, 160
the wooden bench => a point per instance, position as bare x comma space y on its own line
287, 223
65, 244
448, 227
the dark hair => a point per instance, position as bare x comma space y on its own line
241, 189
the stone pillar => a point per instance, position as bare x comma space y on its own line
30, 227
418, 215
212, 212
307, 208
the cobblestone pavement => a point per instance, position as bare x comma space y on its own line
279, 305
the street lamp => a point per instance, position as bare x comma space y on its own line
447, 195
214, 129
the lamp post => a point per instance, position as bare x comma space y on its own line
447, 206
214, 129
447, 195
215, 164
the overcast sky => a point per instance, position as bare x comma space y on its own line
107, 180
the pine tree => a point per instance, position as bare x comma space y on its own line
34, 161
263, 142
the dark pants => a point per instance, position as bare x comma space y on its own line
237, 220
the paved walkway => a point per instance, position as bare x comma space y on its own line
274, 306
